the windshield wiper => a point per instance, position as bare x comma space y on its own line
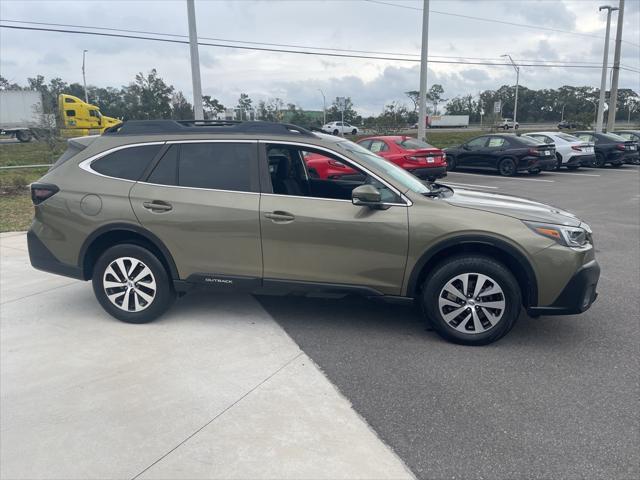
436, 190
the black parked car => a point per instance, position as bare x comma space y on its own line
610, 148
508, 154
567, 124
634, 136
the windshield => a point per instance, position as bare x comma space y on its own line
413, 143
614, 137
402, 177
567, 137
530, 141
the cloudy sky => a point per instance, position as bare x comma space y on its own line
340, 24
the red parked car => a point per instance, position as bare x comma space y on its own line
423, 160
320, 166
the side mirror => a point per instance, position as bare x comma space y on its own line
366, 196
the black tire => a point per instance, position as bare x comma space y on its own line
162, 298
559, 161
335, 132
507, 167
517, 127
23, 136
599, 161
445, 272
451, 163
354, 132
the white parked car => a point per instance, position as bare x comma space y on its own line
571, 152
507, 123
337, 128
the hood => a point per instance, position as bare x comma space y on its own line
517, 207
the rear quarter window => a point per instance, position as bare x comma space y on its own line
128, 163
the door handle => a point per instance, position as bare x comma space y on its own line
158, 206
280, 217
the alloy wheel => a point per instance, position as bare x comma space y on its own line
129, 284
472, 303
507, 168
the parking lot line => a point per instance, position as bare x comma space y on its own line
581, 174
468, 185
506, 178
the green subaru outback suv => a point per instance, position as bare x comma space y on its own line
153, 209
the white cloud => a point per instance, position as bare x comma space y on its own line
330, 24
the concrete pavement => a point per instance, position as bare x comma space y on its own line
214, 389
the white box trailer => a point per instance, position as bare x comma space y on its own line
20, 112
448, 121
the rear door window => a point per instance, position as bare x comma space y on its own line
497, 142
127, 163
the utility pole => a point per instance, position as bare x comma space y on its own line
198, 112
422, 107
84, 78
515, 105
562, 114
324, 107
613, 96
605, 58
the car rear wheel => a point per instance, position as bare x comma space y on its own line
471, 300
354, 132
335, 132
507, 167
131, 284
599, 161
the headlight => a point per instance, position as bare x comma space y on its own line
574, 237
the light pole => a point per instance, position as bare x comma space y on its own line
422, 107
613, 96
324, 107
603, 80
198, 111
84, 78
562, 114
515, 105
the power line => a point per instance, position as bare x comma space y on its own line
277, 44
561, 62
493, 20
276, 50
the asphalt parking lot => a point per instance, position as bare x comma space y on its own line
556, 398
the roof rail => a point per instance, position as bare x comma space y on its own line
150, 127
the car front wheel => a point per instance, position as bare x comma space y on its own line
131, 284
471, 300
451, 163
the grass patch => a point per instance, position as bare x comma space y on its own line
32, 153
16, 212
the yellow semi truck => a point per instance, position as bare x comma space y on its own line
79, 118
22, 116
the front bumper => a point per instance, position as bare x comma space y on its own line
429, 172
577, 296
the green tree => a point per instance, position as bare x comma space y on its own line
212, 107
149, 97
435, 96
244, 106
181, 109
335, 114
